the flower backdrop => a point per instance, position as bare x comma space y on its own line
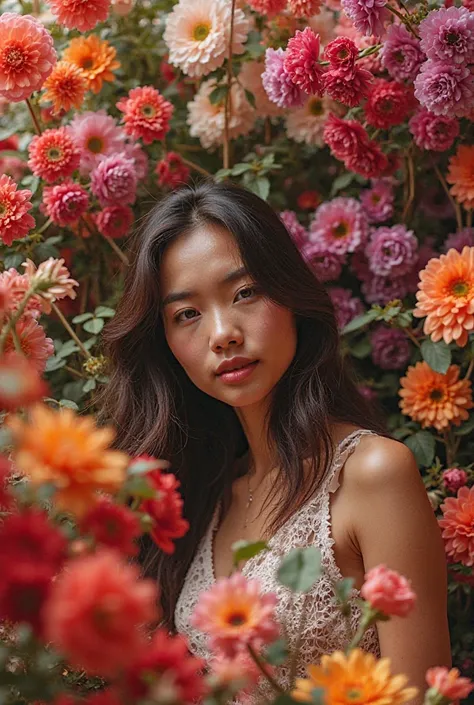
355, 120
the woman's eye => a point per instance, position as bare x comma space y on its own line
247, 293
187, 315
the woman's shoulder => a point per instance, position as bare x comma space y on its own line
378, 459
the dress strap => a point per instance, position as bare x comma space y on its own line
343, 450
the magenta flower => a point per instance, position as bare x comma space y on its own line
114, 221
339, 226
463, 238
347, 87
341, 53
114, 180
390, 348
381, 289
378, 201
65, 203
445, 88
277, 81
370, 161
345, 138
327, 266
297, 231
368, 16
345, 304
302, 61
448, 34
401, 53
433, 132
454, 479
391, 251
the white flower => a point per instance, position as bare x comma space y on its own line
53, 280
250, 77
306, 124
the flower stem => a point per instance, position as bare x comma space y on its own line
228, 101
469, 369
61, 317
404, 18
121, 255
33, 116
469, 218
412, 337
261, 666
196, 167
411, 186
13, 320
455, 205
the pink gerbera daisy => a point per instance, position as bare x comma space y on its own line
302, 61
53, 155
115, 180
33, 342
65, 203
146, 114
80, 14
97, 135
114, 221
339, 226
27, 56
15, 221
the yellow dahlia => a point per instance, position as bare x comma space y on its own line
356, 679
70, 452
461, 175
95, 57
446, 296
435, 399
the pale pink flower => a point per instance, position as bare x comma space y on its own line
250, 77
449, 683
140, 158
53, 280
392, 251
339, 226
297, 231
378, 201
122, 7
277, 81
226, 672
97, 135
454, 479
80, 14
388, 592
27, 55
114, 180
306, 124
15, 221
33, 342
65, 203
197, 34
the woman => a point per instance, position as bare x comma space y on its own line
226, 361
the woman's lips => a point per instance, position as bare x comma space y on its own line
239, 375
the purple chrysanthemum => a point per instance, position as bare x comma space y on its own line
297, 231
401, 53
434, 132
390, 348
462, 238
391, 251
339, 226
114, 180
448, 34
346, 305
277, 82
326, 265
377, 201
445, 88
368, 16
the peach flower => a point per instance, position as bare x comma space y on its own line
457, 524
33, 342
52, 280
448, 683
389, 592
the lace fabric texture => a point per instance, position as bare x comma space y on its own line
325, 629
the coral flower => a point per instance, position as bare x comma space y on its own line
446, 296
457, 523
80, 14
27, 56
97, 612
267, 7
95, 57
65, 203
461, 175
65, 87
113, 525
358, 677
434, 399
53, 155
146, 114
114, 221
33, 342
15, 221
448, 683
71, 453
389, 592
304, 8
234, 614
20, 382
172, 171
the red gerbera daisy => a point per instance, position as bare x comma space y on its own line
53, 155
146, 114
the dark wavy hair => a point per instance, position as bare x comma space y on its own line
156, 409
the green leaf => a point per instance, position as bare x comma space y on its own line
89, 385
277, 653
67, 349
361, 349
95, 325
82, 317
138, 487
217, 95
465, 428
239, 169
260, 186
318, 696
222, 174
437, 355
360, 321
68, 403
343, 588
423, 446
54, 363
104, 312
13, 259
341, 181
251, 98
300, 568
243, 550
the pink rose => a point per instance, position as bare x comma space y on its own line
449, 683
388, 592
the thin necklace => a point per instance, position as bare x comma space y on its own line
250, 495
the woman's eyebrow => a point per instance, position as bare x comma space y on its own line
175, 296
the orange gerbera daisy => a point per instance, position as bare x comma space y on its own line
354, 679
95, 57
435, 399
446, 296
461, 175
65, 87
70, 452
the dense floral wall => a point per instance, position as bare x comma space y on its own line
353, 118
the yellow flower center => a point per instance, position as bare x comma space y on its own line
201, 31
14, 57
460, 288
148, 111
95, 145
436, 394
54, 154
340, 230
316, 107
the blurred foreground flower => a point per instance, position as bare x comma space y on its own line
448, 684
461, 175
388, 592
20, 382
77, 14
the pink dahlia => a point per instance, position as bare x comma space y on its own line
277, 81
456, 525
140, 158
15, 221
368, 16
297, 231
97, 135
349, 88
304, 8
27, 56
53, 155
114, 180
370, 161
146, 114
379, 289
346, 305
172, 171
459, 240
392, 250
345, 138
391, 349
401, 53
377, 201
454, 479
65, 203
327, 266
341, 54
80, 14
448, 34
267, 7
301, 61
35, 346
388, 103
445, 88
339, 226
114, 221
433, 132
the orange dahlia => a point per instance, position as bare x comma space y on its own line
446, 296
461, 175
457, 524
354, 679
95, 57
65, 87
435, 399
70, 452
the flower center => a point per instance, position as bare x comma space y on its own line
148, 111
452, 37
340, 230
54, 154
95, 145
3, 209
316, 107
386, 106
14, 57
342, 53
87, 62
460, 288
436, 394
353, 694
398, 56
236, 619
201, 31
375, 198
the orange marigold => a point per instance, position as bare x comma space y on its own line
70, 452
356, 678
461, 175
446, 296
65, 87
457, 524
435, 399
95, 57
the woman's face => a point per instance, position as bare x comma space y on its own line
233, 342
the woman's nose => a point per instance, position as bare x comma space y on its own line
224, 333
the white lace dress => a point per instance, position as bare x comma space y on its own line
325, 630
